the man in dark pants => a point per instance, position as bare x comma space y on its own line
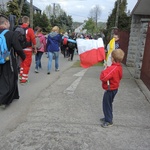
9, 70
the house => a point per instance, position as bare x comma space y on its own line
138, 55
35, 9
80, 29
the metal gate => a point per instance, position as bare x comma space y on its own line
124, 42
145, 71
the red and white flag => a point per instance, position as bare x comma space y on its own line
90, 51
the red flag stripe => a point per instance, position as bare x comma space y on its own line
92, 57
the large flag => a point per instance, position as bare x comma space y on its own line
90, 51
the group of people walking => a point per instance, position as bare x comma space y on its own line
38, 44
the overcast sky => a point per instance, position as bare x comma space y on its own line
80, 9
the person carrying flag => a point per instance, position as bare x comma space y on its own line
112, 45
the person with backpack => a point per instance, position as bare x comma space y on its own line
71, 46
41, 46
27, 48
8, 63
53, 47
64, 45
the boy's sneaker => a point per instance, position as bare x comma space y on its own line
48, 72
106, 125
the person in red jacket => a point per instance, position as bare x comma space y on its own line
110, 78
25, 65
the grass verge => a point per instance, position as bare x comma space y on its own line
77, 64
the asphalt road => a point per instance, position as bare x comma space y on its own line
17, 111
61, 111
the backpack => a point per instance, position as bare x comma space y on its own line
38, 42
65, 40
22, 37
4, 53
71, 45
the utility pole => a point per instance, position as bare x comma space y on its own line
117, 13
21, 6
31, 13
54, 10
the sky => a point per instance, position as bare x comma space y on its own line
80, 9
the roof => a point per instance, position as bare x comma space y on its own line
142, 7
34, 7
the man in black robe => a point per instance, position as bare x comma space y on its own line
9, 70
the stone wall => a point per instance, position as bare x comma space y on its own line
137, 43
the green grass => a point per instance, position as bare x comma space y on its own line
77, 64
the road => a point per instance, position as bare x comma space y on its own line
61, 111
17, 111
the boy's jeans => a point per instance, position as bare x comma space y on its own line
108, 99
50, 58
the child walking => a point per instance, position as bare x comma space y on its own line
110, 78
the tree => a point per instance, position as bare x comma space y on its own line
54, 10
21, 3
124, 20
48, 11
42, 21
90, 26
58, 17
13, 7
57, 10
95, 14
24, 8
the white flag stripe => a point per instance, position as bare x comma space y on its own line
87, 45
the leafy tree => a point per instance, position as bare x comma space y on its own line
64, 21
58, 16
124, 20
54, 10
57, 10
13, 7
48, 11
21, 3
90, 26
24, 9
95, 13
42, 21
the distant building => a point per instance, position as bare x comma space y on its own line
35, 9
80, 29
